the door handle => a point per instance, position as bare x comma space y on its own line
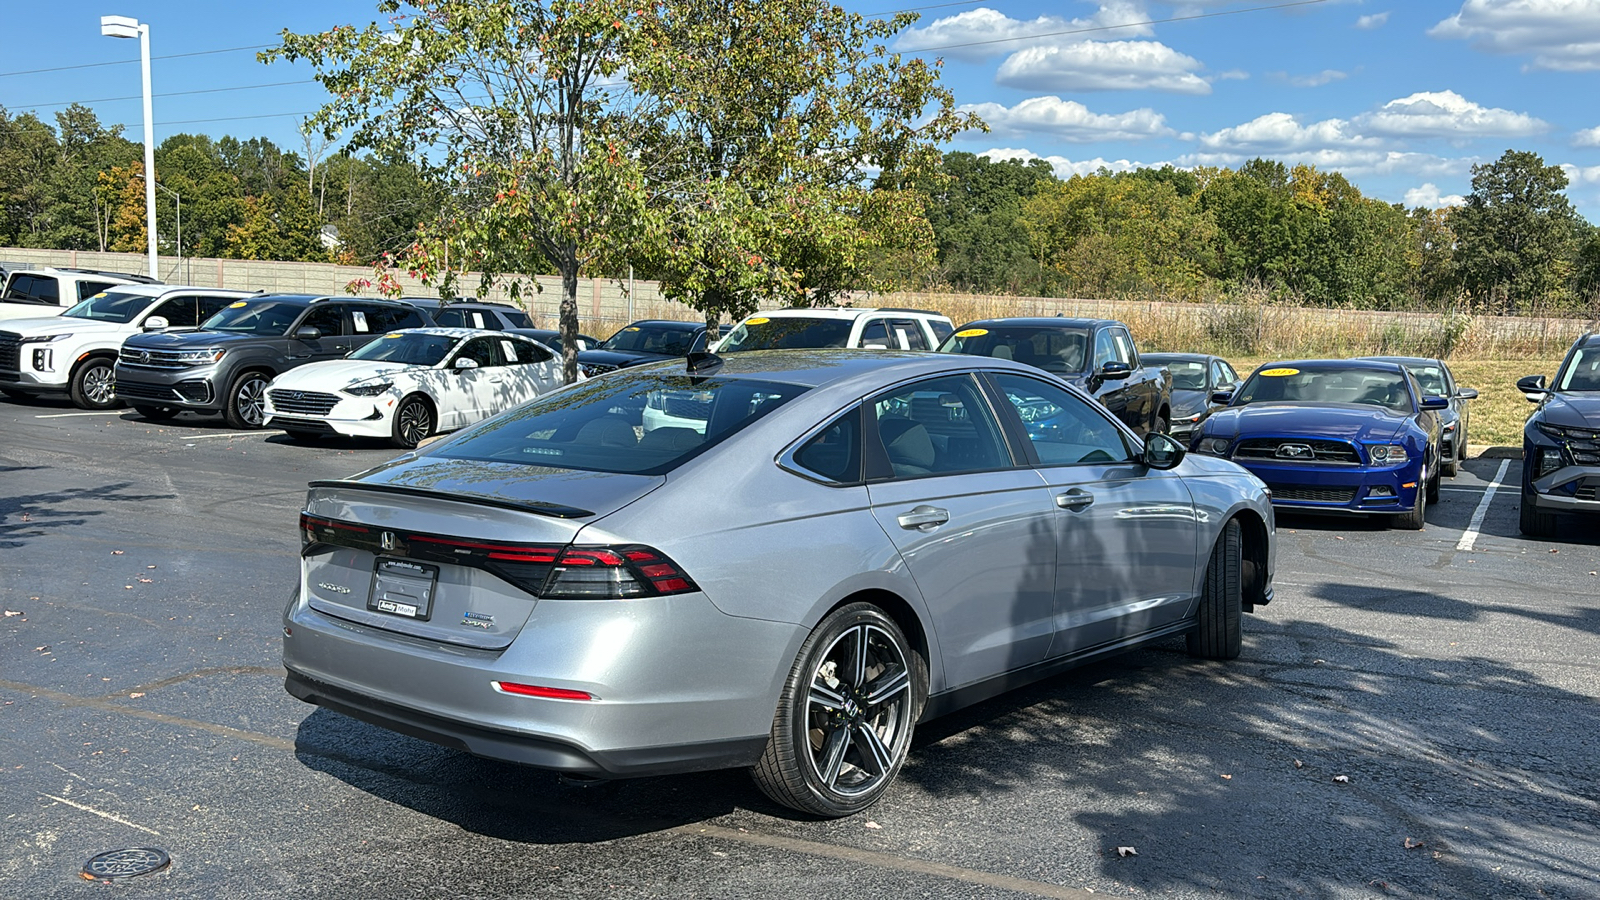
1075, 499
924, 518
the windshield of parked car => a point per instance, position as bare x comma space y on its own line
786, 333
1582, 371
664, 339
1187, 374
255, 317
410, 347
1274, 384
601, 425
1053, 349
111, 306
1430, 379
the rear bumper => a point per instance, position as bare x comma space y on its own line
539, 753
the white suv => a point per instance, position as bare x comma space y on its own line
31, 293
74, 353
879, 328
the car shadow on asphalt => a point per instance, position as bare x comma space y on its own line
1584, 618
1224, 771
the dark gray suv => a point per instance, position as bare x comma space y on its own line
225, 367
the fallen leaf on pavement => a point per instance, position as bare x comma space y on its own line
12, 612
1127, 851
1227, 778
116, 553
137, 694
1299, 765
1412, 845
874, 825
1341, 779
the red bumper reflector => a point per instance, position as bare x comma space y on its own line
533, 690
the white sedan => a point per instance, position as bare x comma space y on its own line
410, 384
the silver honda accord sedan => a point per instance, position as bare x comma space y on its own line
821, 549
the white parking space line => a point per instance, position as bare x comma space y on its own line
1470, 536
103, 412
209, 437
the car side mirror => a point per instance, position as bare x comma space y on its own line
1115, 371
1162, 451
154, 323
1435, 403
465, 363
308, 333
1467, 394
1222, 398
1532, 387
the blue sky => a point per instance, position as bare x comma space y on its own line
1402, 96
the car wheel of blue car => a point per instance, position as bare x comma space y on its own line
1218, 633
844, 722
1433, 487
1413, 520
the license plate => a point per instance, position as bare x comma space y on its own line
403, 588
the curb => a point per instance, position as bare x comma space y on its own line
1486, 451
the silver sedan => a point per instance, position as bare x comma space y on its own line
821, 550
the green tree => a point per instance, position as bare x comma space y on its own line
1435, 277
761, 120
1517, 235
975, 209
508, 100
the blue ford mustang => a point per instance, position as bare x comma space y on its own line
1333, 435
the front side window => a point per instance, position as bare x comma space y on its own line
876, 334
180, 312
1063, 429
1123, 343
1431, 379
1105, 350
598, 426
908, 335
481, 351
261, 317
327, 318
939, 426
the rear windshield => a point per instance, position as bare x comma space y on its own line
664, 339
1063, 350
602, 425
263, 317
410, 347
787, 333
1283, 383
111, 306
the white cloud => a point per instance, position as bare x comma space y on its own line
1070, 120
1581, 174
1449, 115
1589, 137
1353, 161
1065, 168
1326, 76
1103, 66
1558, 34
982, 33
1276, 132
1374, 21
1428, 195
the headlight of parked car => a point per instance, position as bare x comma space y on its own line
199, 357
1213, 446
370, 389
46, 339
1387, 454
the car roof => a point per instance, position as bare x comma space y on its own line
444, 331
1406, 360
665, 323
1160, 355
161, 290
1377, 365
1039, 322
817, 367
840, 312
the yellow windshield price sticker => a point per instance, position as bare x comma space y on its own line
758, 320
972, 332
1278, 373
631, 328
237, 305
392, 334
99, 295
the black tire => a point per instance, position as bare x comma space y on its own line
1163, 425
154, 413
1413, 520
840, 738
1433, 487
247, 401
1219, 631
1452, 467
1533, 521
92, 386
413, 422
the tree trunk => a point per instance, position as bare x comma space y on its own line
569, 320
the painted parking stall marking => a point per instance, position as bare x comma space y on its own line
1470, 536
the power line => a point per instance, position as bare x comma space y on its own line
242, 87
896, 12
129, 62
1045, 34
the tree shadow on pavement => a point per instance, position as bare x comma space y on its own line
24, 516
1226, 777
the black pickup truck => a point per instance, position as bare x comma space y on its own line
1097, 355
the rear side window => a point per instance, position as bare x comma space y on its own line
876, 333
908, 336
834, 453
599, 425
517, 318
382, 318
27, 288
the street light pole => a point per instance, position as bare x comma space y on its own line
179, 198
129, 27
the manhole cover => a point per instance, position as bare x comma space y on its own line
126, 863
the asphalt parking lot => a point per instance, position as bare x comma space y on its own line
1416, 715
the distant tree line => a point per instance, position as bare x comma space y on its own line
78, 185
1516, 246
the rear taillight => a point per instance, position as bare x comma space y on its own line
614, 573
534, 690
314, 530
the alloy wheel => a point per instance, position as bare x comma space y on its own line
251, 400
859, 710
413, 423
